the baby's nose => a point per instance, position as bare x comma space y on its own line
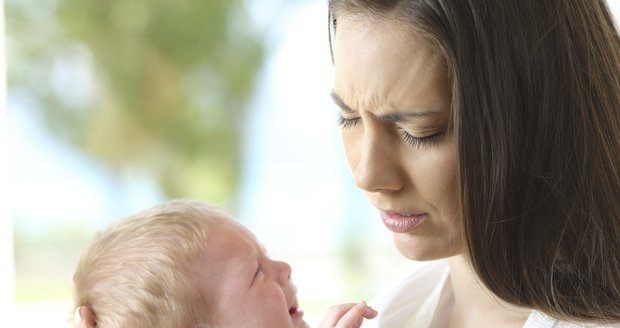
284, 272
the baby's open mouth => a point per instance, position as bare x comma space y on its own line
292, 310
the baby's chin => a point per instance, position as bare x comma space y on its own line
300, 324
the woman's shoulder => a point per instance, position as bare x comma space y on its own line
540, 320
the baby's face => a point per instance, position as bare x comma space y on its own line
246, 288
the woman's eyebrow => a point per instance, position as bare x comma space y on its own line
340, 103
390, 117
403, 116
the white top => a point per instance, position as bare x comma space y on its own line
423, 292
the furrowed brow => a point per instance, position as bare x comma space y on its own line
391, 117
340, 103
399, 117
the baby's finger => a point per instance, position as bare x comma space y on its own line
335, 313
369, 312
354, 317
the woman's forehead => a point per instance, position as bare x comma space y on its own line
383, 63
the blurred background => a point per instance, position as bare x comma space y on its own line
114, 106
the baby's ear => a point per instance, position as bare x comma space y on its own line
84, 317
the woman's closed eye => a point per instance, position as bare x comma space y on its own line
347, 122
413, 141
421, 142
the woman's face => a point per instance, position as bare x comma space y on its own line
394, 95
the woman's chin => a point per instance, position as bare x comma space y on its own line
413, 248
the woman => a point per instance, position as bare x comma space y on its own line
487, 134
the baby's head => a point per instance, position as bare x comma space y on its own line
182, 264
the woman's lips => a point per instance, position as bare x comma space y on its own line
398, 222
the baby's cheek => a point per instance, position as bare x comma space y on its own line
272, 299
271, 311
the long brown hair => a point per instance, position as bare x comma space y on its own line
536, 111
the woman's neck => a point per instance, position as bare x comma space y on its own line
475, 305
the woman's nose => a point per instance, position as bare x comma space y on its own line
377, 165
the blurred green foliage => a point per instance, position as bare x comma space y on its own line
151, 86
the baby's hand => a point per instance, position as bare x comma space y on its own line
348, 315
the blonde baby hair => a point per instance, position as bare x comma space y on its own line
134, 274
